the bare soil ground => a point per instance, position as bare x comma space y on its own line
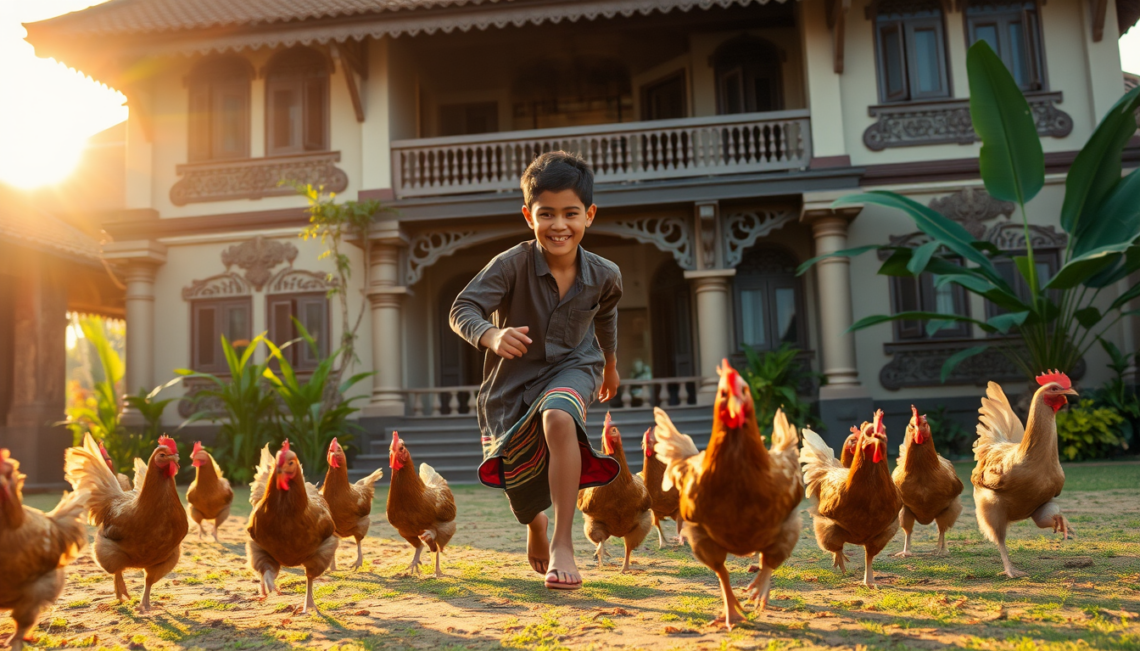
1083, 593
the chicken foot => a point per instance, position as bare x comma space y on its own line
839, 559
428, 537
600, 554
760, 586
309, 601
1049, 516
121, 587
359, 555
225, 513
906, 521
156, 572
733, 611
414, 567
868, 573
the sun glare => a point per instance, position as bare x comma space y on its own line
49, 110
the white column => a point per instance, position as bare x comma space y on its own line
713, 319
833, 286
386, 294
139, 277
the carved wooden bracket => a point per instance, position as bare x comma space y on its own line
671, 234
294, 281
254, 178
930, 123
258, 256
219, 286
427, 248
741, 230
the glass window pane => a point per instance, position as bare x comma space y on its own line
313, 319
237, 323
207, 339
943, 297
1017, 62
893, 61
989, 34
284, 108
786, 314
928, 76
1044, 273
315, 114
752, 317
231, 124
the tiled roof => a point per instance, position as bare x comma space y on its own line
24, 225
119, 17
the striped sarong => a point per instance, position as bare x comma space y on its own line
520, 454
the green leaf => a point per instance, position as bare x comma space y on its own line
957, 358
948, 232
1012, 162
1029, 273
1079, 269
845, 253
1121, 270
1087, 317
898, 264
1003, 322
876, 319
1116, 220
1133, 292
922, 257
1097, 167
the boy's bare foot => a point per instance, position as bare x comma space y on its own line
537, 544
563, 566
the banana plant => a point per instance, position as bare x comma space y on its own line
1062, 317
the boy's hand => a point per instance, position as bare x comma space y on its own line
507, 343
610, 379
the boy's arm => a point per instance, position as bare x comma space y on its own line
478, 301
605, 327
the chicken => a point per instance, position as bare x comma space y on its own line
142, 528
36, 547
1018, 474
665, 503
421, 507
209, 496
848, 453
737, 496
290, 525
124, 483
620, 509
350, 504
927, 484
858, 505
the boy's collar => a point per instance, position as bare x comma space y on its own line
542, 268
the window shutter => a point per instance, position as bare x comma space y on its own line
230, 119
312, 312
199, 121
281, 329
205, 337
907, 299
893, 65
315, 118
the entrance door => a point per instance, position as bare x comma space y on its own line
672, 326
459, 362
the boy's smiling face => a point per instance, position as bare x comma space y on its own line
559, 221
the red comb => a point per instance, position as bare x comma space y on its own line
168, 443
197, 448
1054, 376
103, 450
334, 445
879, 422
281, 454
395, 440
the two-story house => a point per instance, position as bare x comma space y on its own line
720, 131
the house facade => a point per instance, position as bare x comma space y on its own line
720, 132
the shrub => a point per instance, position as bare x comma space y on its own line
775, 378
1086, 431
1118, 396
950, 439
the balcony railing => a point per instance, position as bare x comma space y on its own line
618, 153
632, 394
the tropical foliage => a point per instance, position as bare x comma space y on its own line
1086, 431
308, 426
1118, 396
775, 378
244, 405
1058, 318
950, 439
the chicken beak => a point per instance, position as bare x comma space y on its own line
334, 460
1070, 392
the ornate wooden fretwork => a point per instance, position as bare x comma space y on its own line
930, 123
670, 234
742, 229
254, 178
919, 364
427, 248
1010, 236
220, 286
258, 256
971, 207
294, 281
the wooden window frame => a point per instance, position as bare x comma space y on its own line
648, 87
1050, 255
926, 298
299, 354
769, 282
208, 84
218, 364
905, 27
1031, 31
301, 84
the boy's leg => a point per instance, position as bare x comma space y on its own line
565, 470
528, 503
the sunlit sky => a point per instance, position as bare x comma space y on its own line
49, 111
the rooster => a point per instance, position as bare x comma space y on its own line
927, 484
209, 496
142, 528
124, 483
421, 507
620, 509
350, 504
858, 505
290, 525
36, 547
737, 496
1018, 472
665, 503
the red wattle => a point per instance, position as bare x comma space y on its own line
1056, 402
334, 461
197, 463
282, 482
171, 469
394, 463
878, 454
918, 438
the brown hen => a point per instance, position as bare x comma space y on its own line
350, 504
927, 484
665, 503
421, 507
209, 496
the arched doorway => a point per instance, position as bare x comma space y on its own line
460, 364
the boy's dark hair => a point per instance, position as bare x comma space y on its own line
556, 171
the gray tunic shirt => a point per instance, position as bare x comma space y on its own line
569, 334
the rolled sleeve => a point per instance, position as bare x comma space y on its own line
482, 297
605, 321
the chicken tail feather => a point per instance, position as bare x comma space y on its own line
672, 448
261, 478
430, 477
69, 528
370, 480
88, 473
140, 474
784, 434
818, 461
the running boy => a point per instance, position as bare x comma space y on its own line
545, 312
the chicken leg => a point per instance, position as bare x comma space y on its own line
359, 555
636, 537
712, 556
428, 537
156, 572
945, 520
309, 601
225, 513
906, 521
121, 587
1048, 515
417, 544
